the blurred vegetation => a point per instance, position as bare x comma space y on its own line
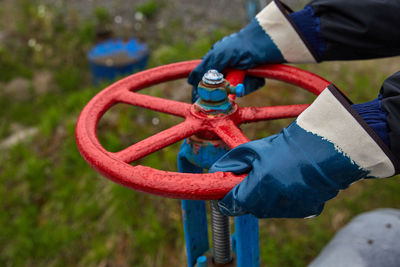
57, 211
149, 8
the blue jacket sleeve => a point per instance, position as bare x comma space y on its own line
351, 29
390, 92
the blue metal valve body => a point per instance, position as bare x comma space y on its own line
214, 109
216, 94
213, 98
213, 90
203, 153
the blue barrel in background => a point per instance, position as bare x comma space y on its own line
115, 58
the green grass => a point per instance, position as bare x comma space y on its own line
57, 211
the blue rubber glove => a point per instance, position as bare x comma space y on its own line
235, 51
270, 37
292, 174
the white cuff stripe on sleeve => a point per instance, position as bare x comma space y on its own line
330, 120
282, 33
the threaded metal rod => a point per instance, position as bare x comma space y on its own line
221, 236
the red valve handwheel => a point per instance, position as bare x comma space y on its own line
116, 166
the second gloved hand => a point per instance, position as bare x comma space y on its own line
292, 174
242, 50
269, 38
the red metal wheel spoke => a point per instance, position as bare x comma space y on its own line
304, 79
154, 103
231, 134
158, 141
253, 114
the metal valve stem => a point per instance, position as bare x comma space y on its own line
221, 237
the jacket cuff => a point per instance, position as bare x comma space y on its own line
332, 118
310, 26
275, 20
374, 115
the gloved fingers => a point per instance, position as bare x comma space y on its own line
239, 61
251, 84
214, 59
317, 210
230, 206
196, 74
230, 165
242, 198
195, 94
306, 213
238, 160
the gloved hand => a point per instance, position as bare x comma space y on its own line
241, 50
268, 38
293, 173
